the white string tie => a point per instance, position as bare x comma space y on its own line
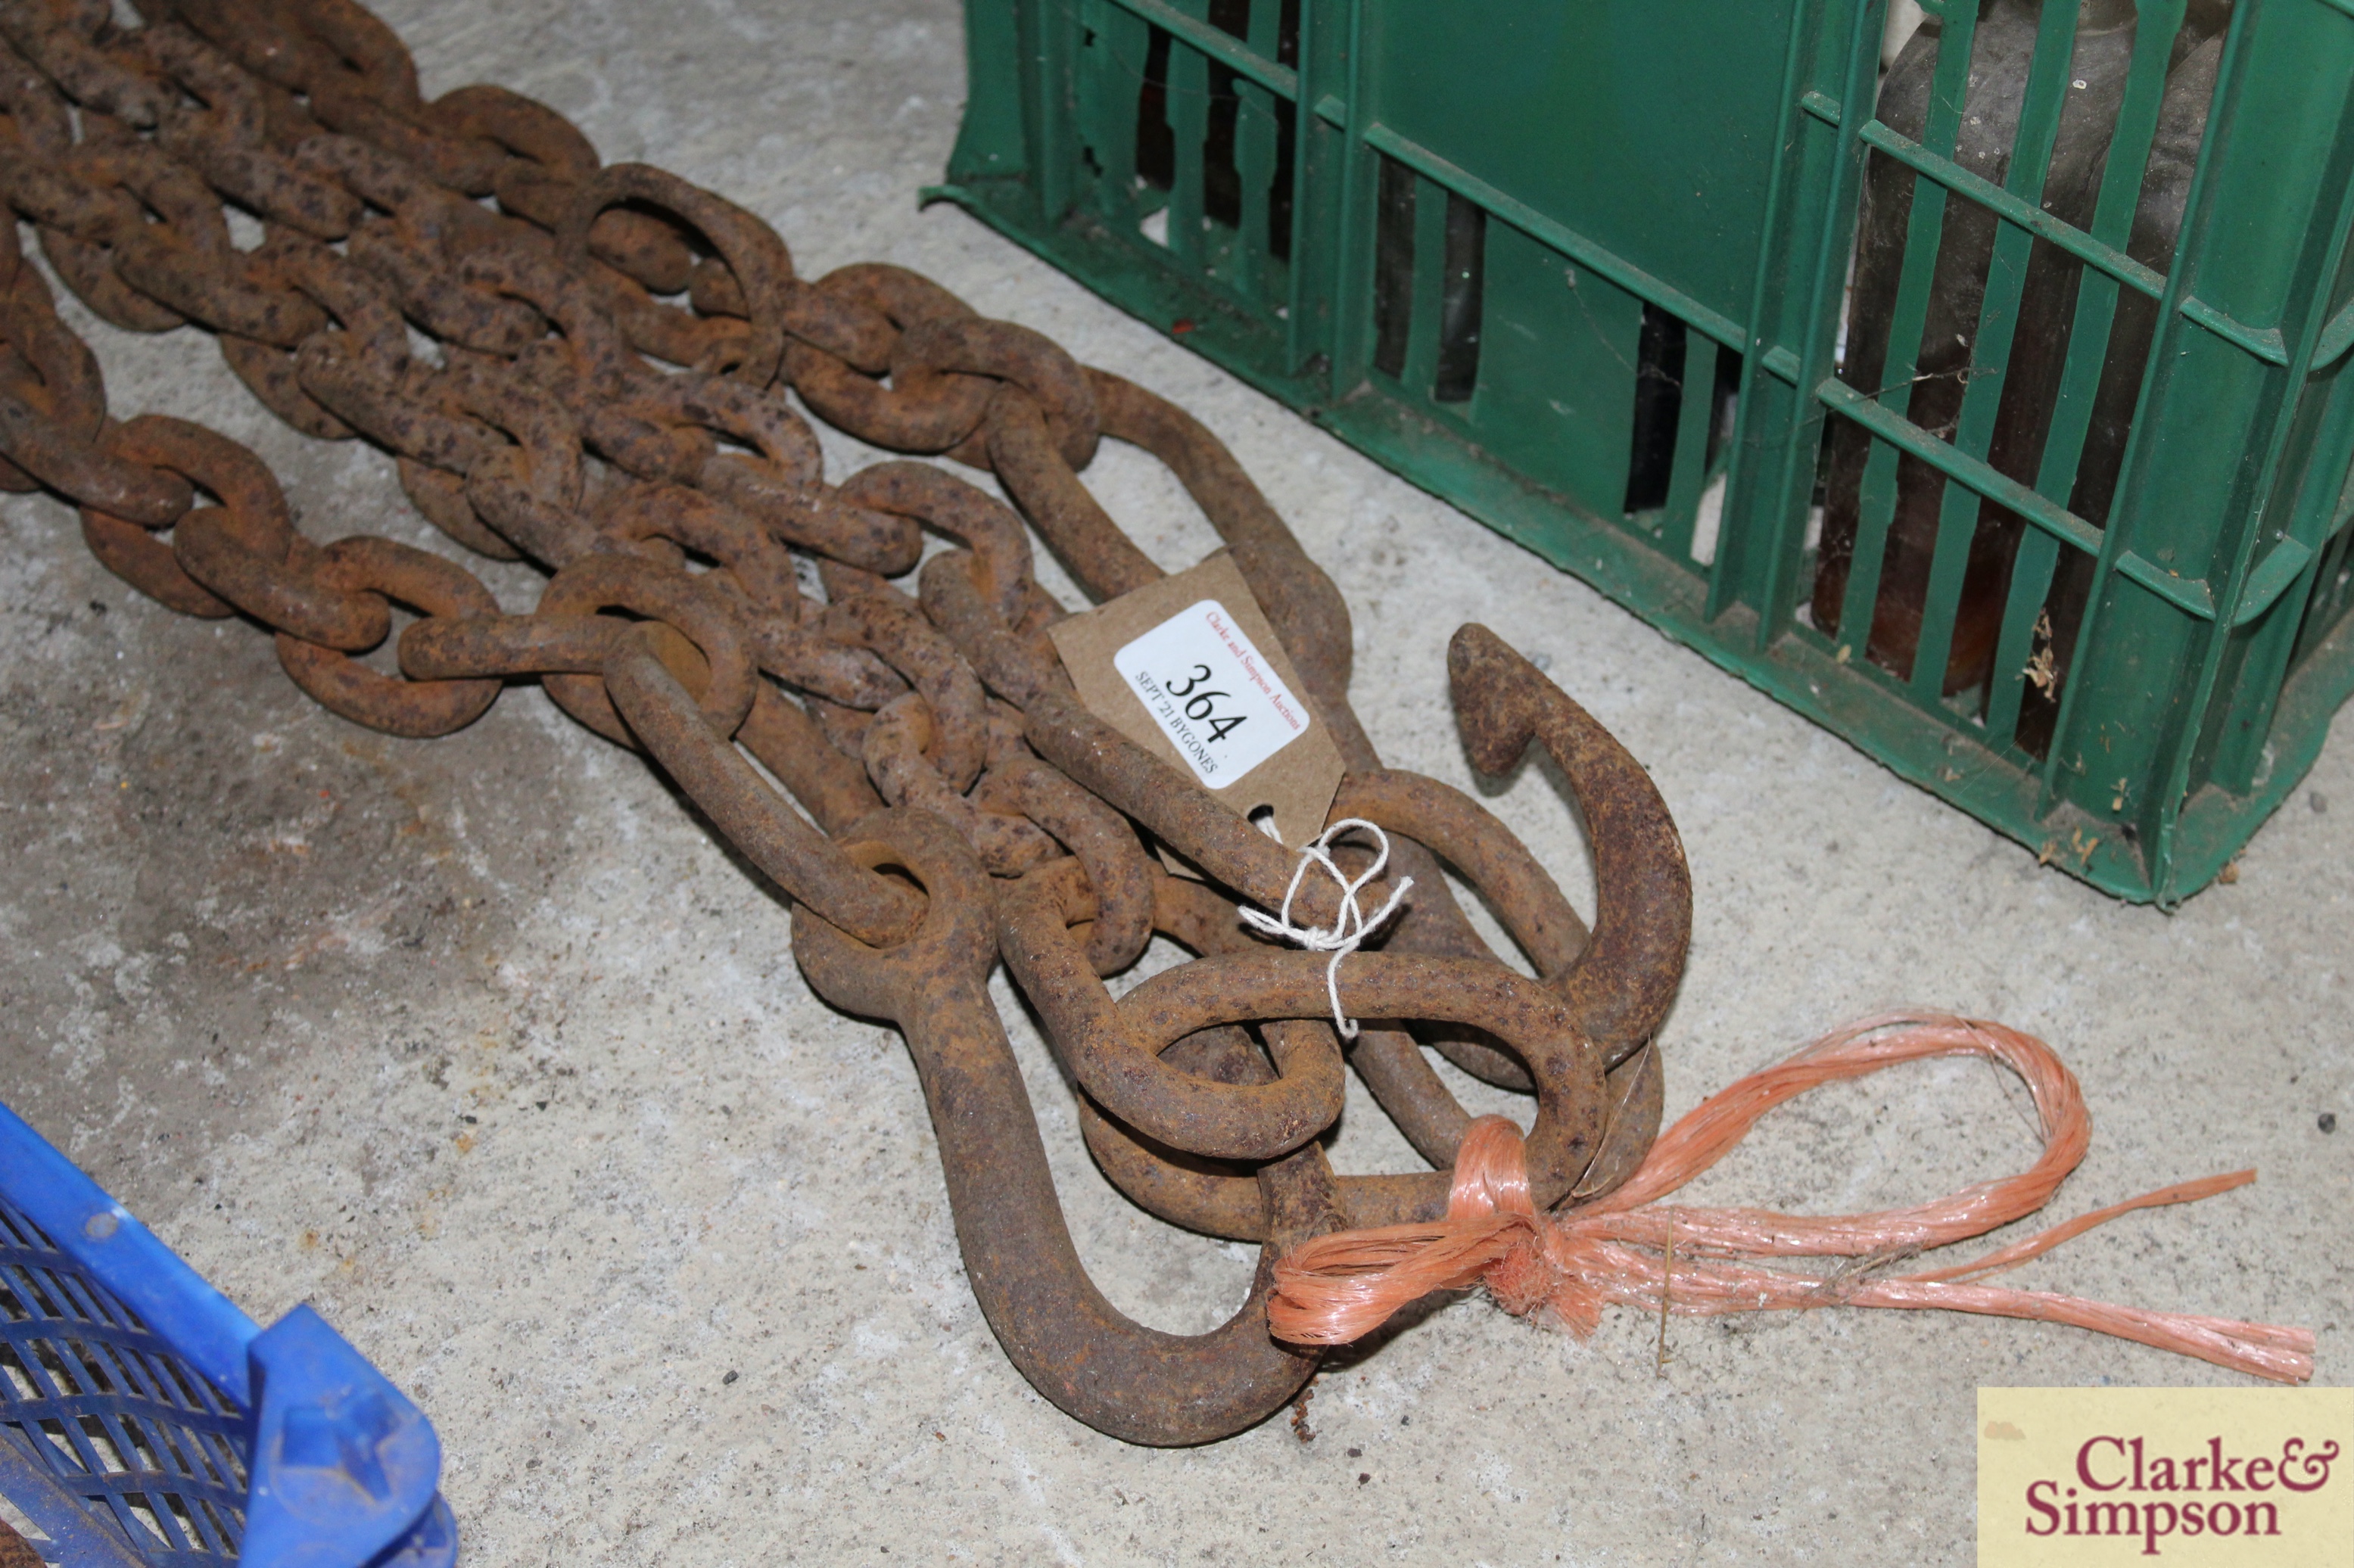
1350, 927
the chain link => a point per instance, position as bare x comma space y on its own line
606, 396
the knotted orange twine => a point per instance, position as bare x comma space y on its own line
1627, 1248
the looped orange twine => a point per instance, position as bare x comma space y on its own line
1627, 1249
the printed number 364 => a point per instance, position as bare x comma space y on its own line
1201, 705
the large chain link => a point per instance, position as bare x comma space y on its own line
607, 400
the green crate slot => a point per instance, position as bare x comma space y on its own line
1580, 268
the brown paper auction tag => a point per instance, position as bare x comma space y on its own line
1189, 668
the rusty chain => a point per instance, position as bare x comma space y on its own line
607, 400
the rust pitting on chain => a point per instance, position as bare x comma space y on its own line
606, 396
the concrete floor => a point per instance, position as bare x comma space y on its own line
486, 1048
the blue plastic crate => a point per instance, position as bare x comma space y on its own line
145, 1421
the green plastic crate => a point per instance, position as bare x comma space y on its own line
1578, 266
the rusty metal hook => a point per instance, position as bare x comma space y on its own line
1119, 1377
1621, 985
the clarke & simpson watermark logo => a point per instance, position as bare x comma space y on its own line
2202, 1477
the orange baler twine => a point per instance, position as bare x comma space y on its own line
1618, 1249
